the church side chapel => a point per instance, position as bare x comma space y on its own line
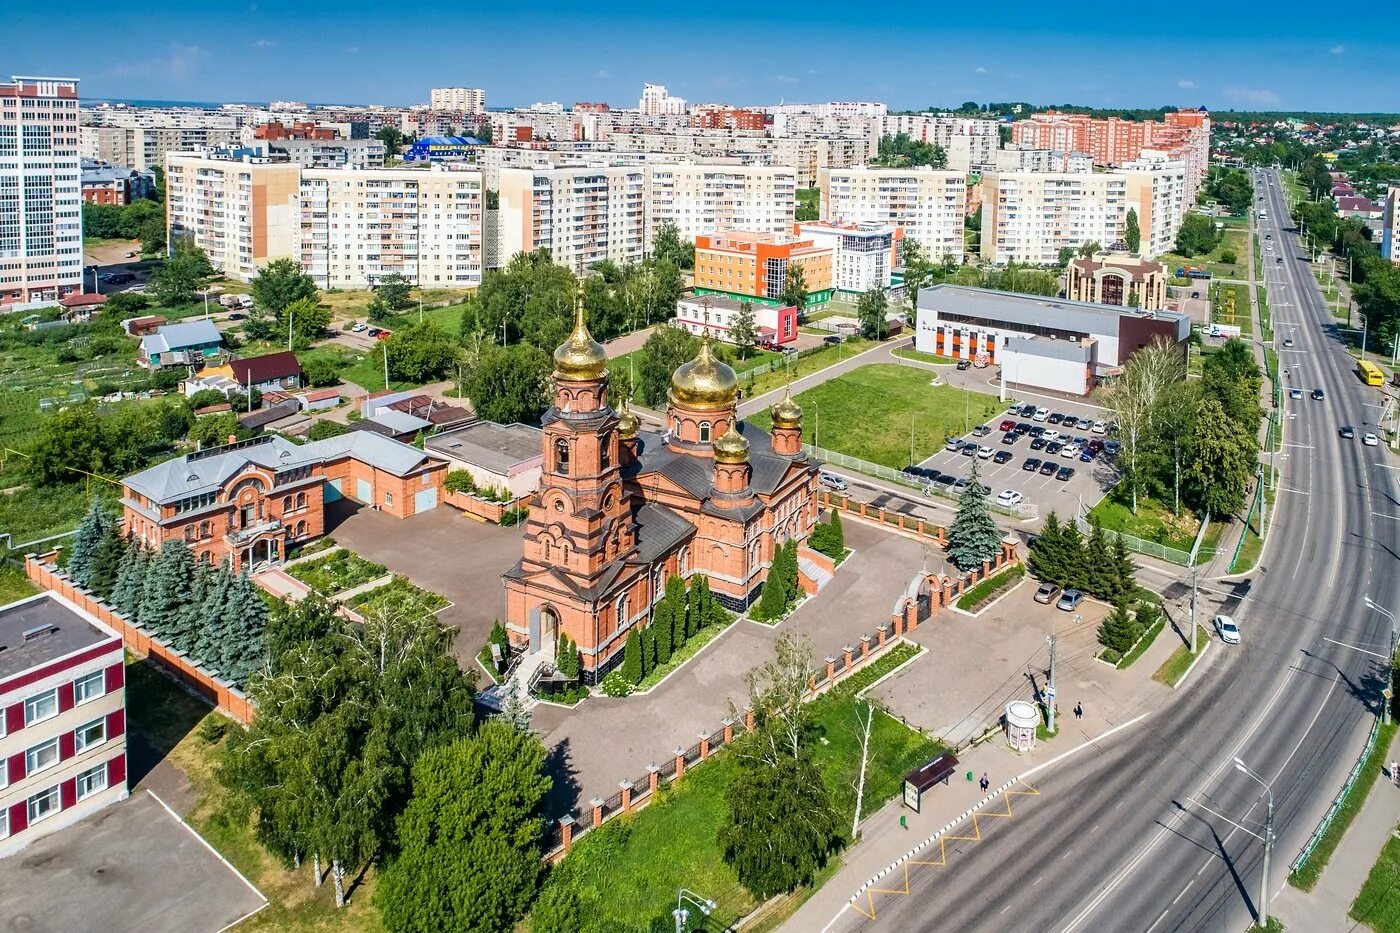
621, 509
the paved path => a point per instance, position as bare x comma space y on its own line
877, 354
1326, 906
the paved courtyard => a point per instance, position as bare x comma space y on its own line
131, 867
443, 551
605, 740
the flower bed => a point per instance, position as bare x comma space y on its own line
337, 572
400, 596
990, 589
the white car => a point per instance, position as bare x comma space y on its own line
984, 453
1070, 451
1041, 414
1369, 439
360, 328
1009, 497
832, 481
1100, 427
1295, 393
1049, 436
1229, 631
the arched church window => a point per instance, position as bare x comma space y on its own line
561, 456
685, 562
605, 451
622, 610
704, 432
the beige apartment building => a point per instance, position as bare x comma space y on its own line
929, 204
1028, 217
242, 212
705, 197
1156, 187
359, 225
141, 136
464, 99
582, 214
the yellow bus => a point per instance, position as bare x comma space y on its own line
1370, 373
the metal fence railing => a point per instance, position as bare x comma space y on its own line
1337, 801
1139, 545
1021, 512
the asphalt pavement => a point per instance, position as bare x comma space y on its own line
1157, 829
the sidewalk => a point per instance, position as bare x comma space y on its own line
1326, 906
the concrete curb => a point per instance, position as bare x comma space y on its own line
218, 855
1192, 666
897, 668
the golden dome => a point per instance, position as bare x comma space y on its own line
627, 423
704, 383
580, 358
731, 447
786, 413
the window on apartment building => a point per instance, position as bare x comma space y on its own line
4, 823
41, 756
89, 687
43, 804
301, 500
92, 780
89, 735
41, 706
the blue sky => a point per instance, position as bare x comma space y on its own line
1259, 56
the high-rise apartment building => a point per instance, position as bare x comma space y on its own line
703, 197
970, 144
41, 221
1155, 187
243, 212
656, 100
463, 99
1390, 225
141, 136
862, 254
929, 204
360, 225
1028, 217
582, 214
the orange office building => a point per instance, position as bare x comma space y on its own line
753, 266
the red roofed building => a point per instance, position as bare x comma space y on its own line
268, 373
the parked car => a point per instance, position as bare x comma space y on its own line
1065, 475
1010, 437
1084, 424
1047, 593
1009, 497
1055, 418
1070, 451
1038, 443
969, 449
954, 443
1001, 456
945, 479
1229, 631
1041, 414
1031, 465
832, 339
981, 430
360, 328
374, 331
1008, 425
1027, 411
1369, 439
236, 316
1347, 432
832, 481
1100, 427
984, 453
1037, 431
1053, 447
1111, 448
1070, 600
1024, 428
964, 364
1048, 468
1050, 435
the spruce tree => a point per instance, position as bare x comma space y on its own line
772, 599
1047, 552
167, 592
648, 649
1098, 568
86, 542
243, 648
632, 658
680, 626
1073, 554
838, 535
1124, 574
131, 580
794, 590
1118, 631
973, 537
209, 622
663, 628
107, 562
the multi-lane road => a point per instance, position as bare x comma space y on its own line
1156, 830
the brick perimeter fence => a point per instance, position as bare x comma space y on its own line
43, 572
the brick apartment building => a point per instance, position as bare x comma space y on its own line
62, 718
1184, 135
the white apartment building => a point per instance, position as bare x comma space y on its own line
655, 100
358, 226
1156, 187
1390, 224
971, 144
1026, 158
705, 197
928, 204
328, 153
835, 108
242, 212
465, 99
41, 221
141, 136
1028, 217
862, 254
582, 214
774, 325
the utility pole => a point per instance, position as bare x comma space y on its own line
1394, 639
1050, 688
386, 365
291, 316
1195, 579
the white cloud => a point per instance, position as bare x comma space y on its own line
1186, 84
1337, 49
601, 73
180, 63
979, 70
264, 44
785, 79
1255, 97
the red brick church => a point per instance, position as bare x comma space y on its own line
620, 509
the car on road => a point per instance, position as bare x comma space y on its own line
832, 339
359, 328
981, 430
1008, 425
832, 481
984, 453
374, 331
954, 443
1038, 443
1229, 631
1347, 432
1295, 393
1001, 456
1278, 259
1317, 395
1048, 468
1370, 440
1070, 600
1031, 465
1041, 414
964, 364
235, 316
1288, 341
1009, 497
1047, 593
1065, 474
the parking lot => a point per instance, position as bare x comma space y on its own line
1033, 436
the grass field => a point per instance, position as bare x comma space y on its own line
1378, 904
805, 365
337, 572
1175, 667
879, 412
1235, 239
1253, 542
1154, 521
1221, 311
907, 354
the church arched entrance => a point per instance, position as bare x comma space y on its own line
547, 637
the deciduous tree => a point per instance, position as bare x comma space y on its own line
280, 283
511, 384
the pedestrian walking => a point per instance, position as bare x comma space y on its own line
1395, 773
1078, 710
985, 782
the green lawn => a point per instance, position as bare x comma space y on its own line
1378, 904
873, 411
806, 365
337, 572
626, 874
448, 318
991, 588
1155, 522
1266, 327
1235, 238
907, 354
1175, 667
400, 596
14, 585
1220, 312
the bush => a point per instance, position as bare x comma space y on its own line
514, 517
459, 481
214, 728
1228, 255
616, 685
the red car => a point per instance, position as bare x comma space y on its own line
1008, 426
382, 335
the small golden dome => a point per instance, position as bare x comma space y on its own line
580, 358
627, 423
731, 447
705, 383
786, 413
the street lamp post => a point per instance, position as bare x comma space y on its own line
1394, 638
682, 914
1268, 842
